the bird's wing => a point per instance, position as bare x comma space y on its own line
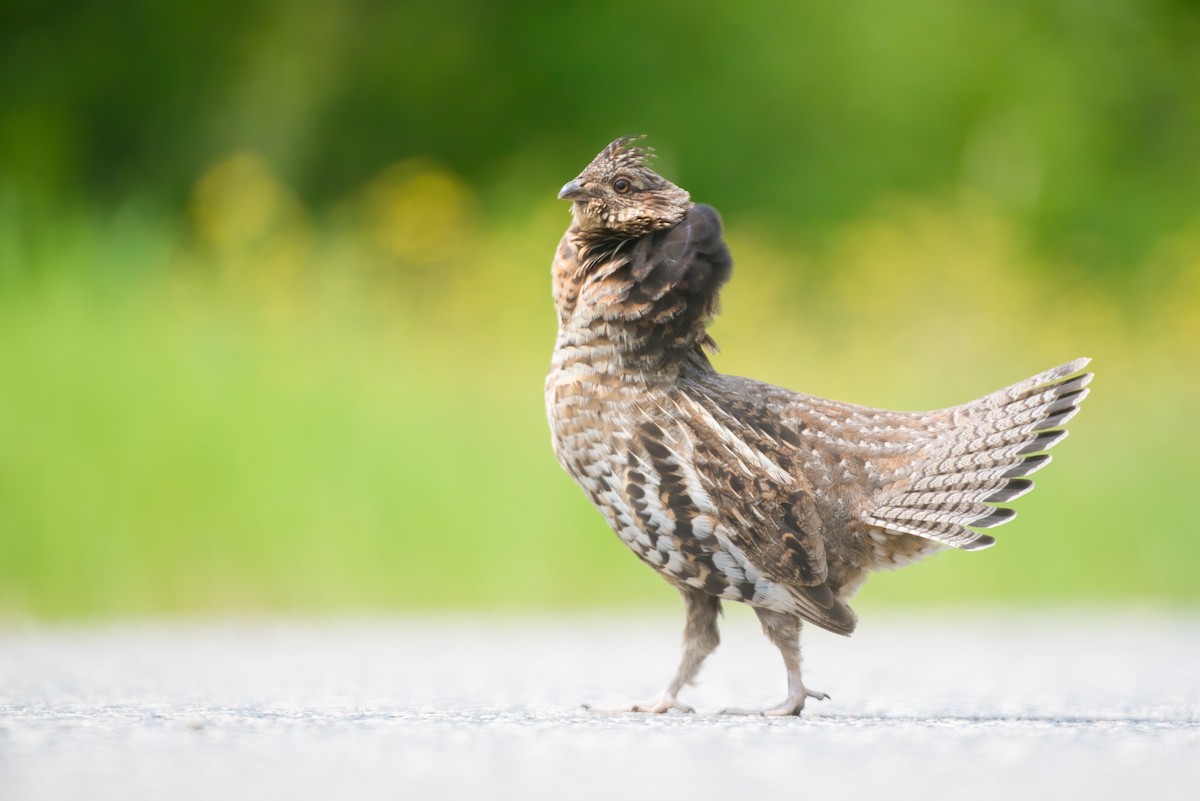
737, 475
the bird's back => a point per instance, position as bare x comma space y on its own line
890, 486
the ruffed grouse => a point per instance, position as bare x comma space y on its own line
735, 489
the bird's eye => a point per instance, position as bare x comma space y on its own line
621, 185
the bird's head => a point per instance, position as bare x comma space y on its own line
617, 192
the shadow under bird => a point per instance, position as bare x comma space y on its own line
737, 490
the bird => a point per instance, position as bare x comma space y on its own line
737, 490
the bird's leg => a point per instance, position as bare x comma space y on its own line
700, 638
784, 631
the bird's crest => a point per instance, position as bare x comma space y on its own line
626, 153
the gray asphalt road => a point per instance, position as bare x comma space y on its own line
979, 706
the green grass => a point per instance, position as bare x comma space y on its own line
185, 429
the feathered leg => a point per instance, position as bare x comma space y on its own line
700, 638
784, 631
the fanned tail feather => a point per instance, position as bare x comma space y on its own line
991, 445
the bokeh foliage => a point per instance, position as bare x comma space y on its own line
1079, 118
274, 307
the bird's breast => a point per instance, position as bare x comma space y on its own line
586, 405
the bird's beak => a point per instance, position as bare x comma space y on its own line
573, 190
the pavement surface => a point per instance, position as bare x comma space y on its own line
980, 706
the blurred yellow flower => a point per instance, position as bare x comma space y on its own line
239, 201
253, 231
418, 213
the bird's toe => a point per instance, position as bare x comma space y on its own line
656, 706
792, 707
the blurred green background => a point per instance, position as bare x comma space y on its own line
274, 280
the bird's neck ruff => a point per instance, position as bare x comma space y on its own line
649, 297
602, 250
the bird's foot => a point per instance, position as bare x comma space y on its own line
664, 703
793, 706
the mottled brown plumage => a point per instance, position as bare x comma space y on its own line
735, 489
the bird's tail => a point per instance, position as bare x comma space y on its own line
993, 444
